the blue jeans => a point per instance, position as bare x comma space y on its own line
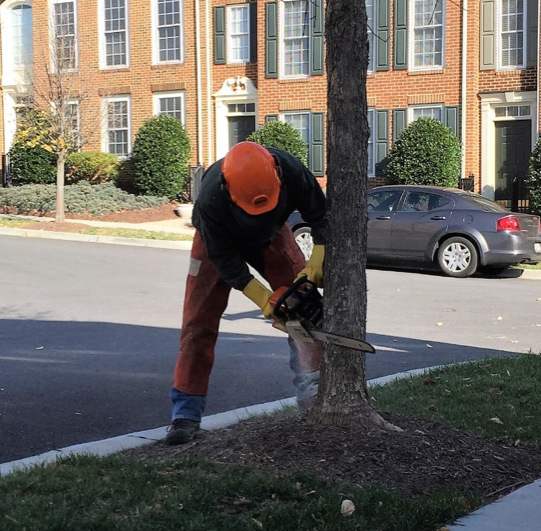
185, 406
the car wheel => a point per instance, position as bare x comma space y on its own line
303, 237
490, 271
457, 257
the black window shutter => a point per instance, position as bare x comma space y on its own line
317, 66
382, 141
271, 40
400, 122
219, 35
316, 156
400, 34
382, 35
271, 118
253, 32
532, 20
451, 118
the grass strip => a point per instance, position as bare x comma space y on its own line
85, 493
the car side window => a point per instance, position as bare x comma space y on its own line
384, 201
423, 201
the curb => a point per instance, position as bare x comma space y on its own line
69, 236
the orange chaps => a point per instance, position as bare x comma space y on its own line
206, 300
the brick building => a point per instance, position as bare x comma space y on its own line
225, 66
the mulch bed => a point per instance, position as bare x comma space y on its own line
424, 458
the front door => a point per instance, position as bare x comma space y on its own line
240, 127
513, 150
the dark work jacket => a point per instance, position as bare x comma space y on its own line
234, 238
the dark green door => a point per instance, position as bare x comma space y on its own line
239, 128
513, 150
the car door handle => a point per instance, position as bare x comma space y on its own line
383, 217
438, 218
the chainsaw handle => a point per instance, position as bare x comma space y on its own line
279, 299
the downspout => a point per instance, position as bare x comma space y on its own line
209, 87
538, 128
198, 84
464, 80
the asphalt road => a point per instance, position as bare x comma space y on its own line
89, 337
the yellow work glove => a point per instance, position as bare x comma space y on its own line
314, 267
259, 294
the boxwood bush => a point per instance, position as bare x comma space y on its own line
427, 152
160, 157
91, 166
533, 181
282, 136
30, 162
83, 197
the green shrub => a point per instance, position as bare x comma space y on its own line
83, 197
94, 167
282, 136
30, 162
427, 152
160, 157
533, 181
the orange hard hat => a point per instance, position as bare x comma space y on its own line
251, 177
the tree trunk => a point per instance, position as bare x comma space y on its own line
343, 396
60, 164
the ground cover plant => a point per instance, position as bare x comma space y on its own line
277, 473
82, 197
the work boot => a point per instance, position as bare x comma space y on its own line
181, 431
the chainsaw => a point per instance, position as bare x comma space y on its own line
299, 309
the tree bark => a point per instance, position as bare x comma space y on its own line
60, 165
343, 396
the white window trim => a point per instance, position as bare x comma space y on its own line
372, 34
52, 4
101, 36
371, 171
228, 35
12, 75
156, 36
499, 37
176, 94
281, 46
412, 108
77, 103
295, 113
105, 128
411, 40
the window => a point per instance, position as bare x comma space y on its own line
513, 111
427, 37
371, 145
301, 123
21, 27
117, 138
171, 103
169, 31
296, 38
238, 34
22, 104
73, 120
423, 202
65, 43
371, 16
434, 112
115, 33
512, 34
383, 201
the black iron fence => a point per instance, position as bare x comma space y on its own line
519, 194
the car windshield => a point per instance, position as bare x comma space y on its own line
483, 203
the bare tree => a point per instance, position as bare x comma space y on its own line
343, 395
58, 93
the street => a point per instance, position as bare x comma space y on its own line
89, 337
